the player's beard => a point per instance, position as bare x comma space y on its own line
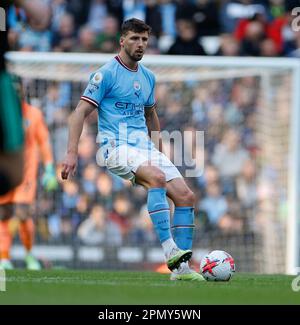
135, 56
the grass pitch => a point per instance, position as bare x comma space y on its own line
142, 288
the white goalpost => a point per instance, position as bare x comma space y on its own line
275, 82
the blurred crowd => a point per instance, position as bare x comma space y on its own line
187, 27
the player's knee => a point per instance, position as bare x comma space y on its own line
158, 178
191, 198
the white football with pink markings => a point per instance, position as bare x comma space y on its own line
217, 266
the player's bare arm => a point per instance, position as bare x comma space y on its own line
76, 121
153, 124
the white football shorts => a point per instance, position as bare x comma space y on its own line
124, 161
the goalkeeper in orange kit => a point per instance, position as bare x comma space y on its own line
19, 201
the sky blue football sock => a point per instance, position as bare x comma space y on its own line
159, 211
183, 227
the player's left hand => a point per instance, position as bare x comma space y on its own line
69, 165
49, 180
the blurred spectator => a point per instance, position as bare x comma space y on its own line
81, 211
54, 101
64, 39
58, 9
173, 108
86, 150
134, 9
108, 40
54, 105
292, 48
89, 177
229, 224
214, 204
153, 17
139, 196
70, 195
248, 133
54, 226
232, 11
66, 230
115, 9
142, 232
104, 186
229, 46
186, 42
276, 8
254, 35
268, 48
86, 40
59, 135
96, 229
229, 155
242, 26
233, 115
202, 13
153, 46
68, 216
36, 36
210, 176
246, 185
200, 107
121, 212
82, 208
168, 14
97, 14
80, 10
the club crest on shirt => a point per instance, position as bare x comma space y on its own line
136, 86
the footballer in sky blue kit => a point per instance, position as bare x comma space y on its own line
123, 93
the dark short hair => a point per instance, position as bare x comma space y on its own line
134, 25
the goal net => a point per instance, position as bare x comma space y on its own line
247, 188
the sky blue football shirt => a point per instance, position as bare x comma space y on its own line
121, 96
